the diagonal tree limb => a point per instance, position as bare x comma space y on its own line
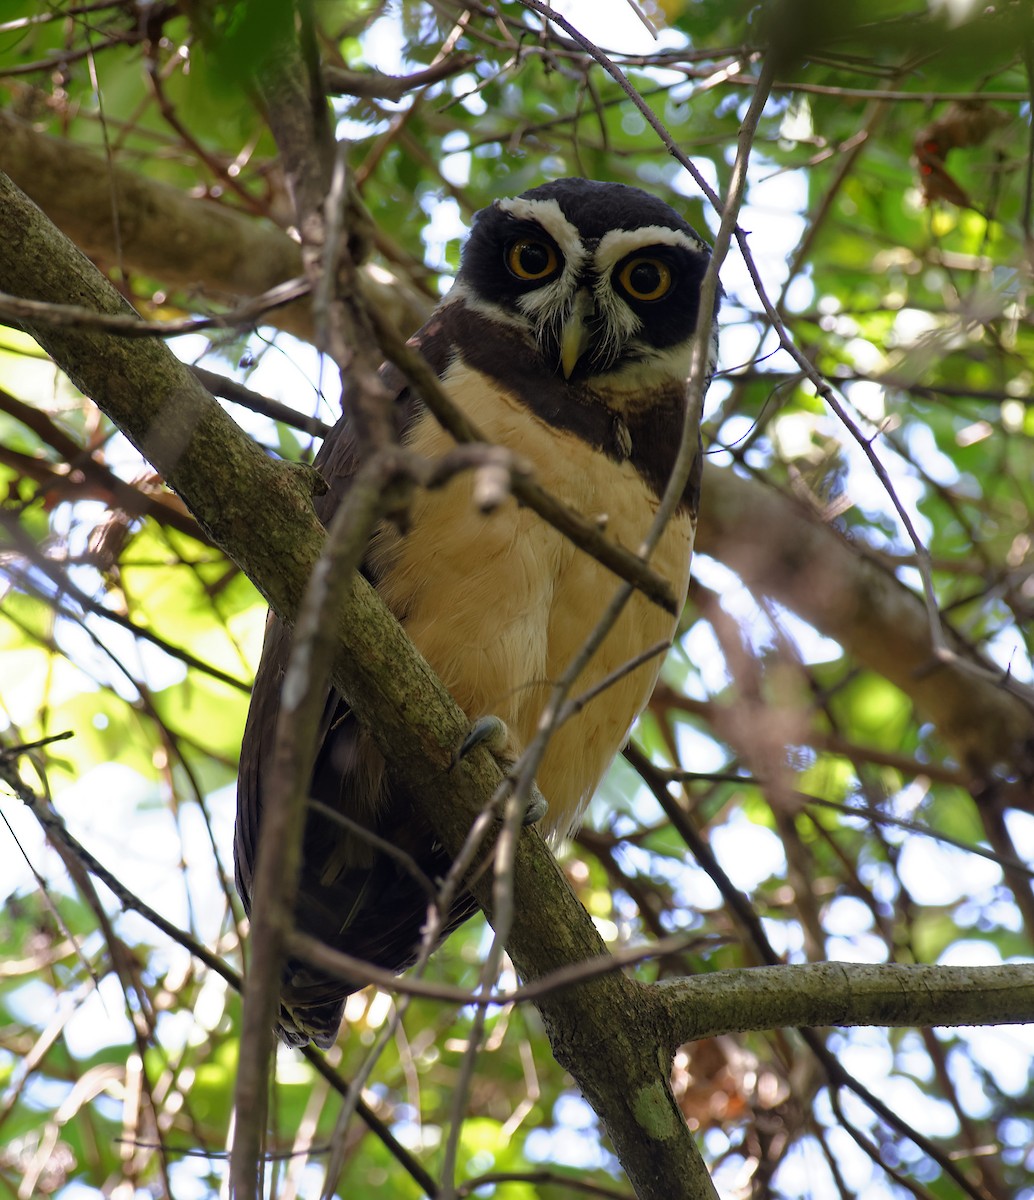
185, 242
260, 512
781, 550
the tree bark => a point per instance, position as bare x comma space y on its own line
808, 995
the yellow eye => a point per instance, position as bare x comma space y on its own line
645, 278
530, 260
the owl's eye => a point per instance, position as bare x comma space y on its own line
531, 260
645, 278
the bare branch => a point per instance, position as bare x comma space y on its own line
376, 85
164, 233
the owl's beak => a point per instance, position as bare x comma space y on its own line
575, 338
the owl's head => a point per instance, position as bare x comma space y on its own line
603, 278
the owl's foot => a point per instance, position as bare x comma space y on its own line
492, 733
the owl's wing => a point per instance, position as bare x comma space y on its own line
351, 896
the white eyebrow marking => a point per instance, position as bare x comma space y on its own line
618, 243
620, 324
549, 306
549, 215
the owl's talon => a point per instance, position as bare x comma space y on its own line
492, 733
537, 808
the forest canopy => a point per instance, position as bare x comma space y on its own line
837, 765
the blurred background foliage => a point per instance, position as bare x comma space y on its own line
889, 218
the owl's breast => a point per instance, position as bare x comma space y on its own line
500, 603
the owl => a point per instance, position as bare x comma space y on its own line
566, 338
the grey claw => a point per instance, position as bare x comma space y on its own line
537, 808
491, 732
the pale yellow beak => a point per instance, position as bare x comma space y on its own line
575, 338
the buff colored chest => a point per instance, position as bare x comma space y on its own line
499, 604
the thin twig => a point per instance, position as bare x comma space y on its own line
43, 312
237, 393
374, 85
58, 833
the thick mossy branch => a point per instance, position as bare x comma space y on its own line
260, 513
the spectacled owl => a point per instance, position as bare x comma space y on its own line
566, 338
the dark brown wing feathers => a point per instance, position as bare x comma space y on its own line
351, 897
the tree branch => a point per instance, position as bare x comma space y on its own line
806, 995
182, 241
779, 549
260, 512
375, 85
